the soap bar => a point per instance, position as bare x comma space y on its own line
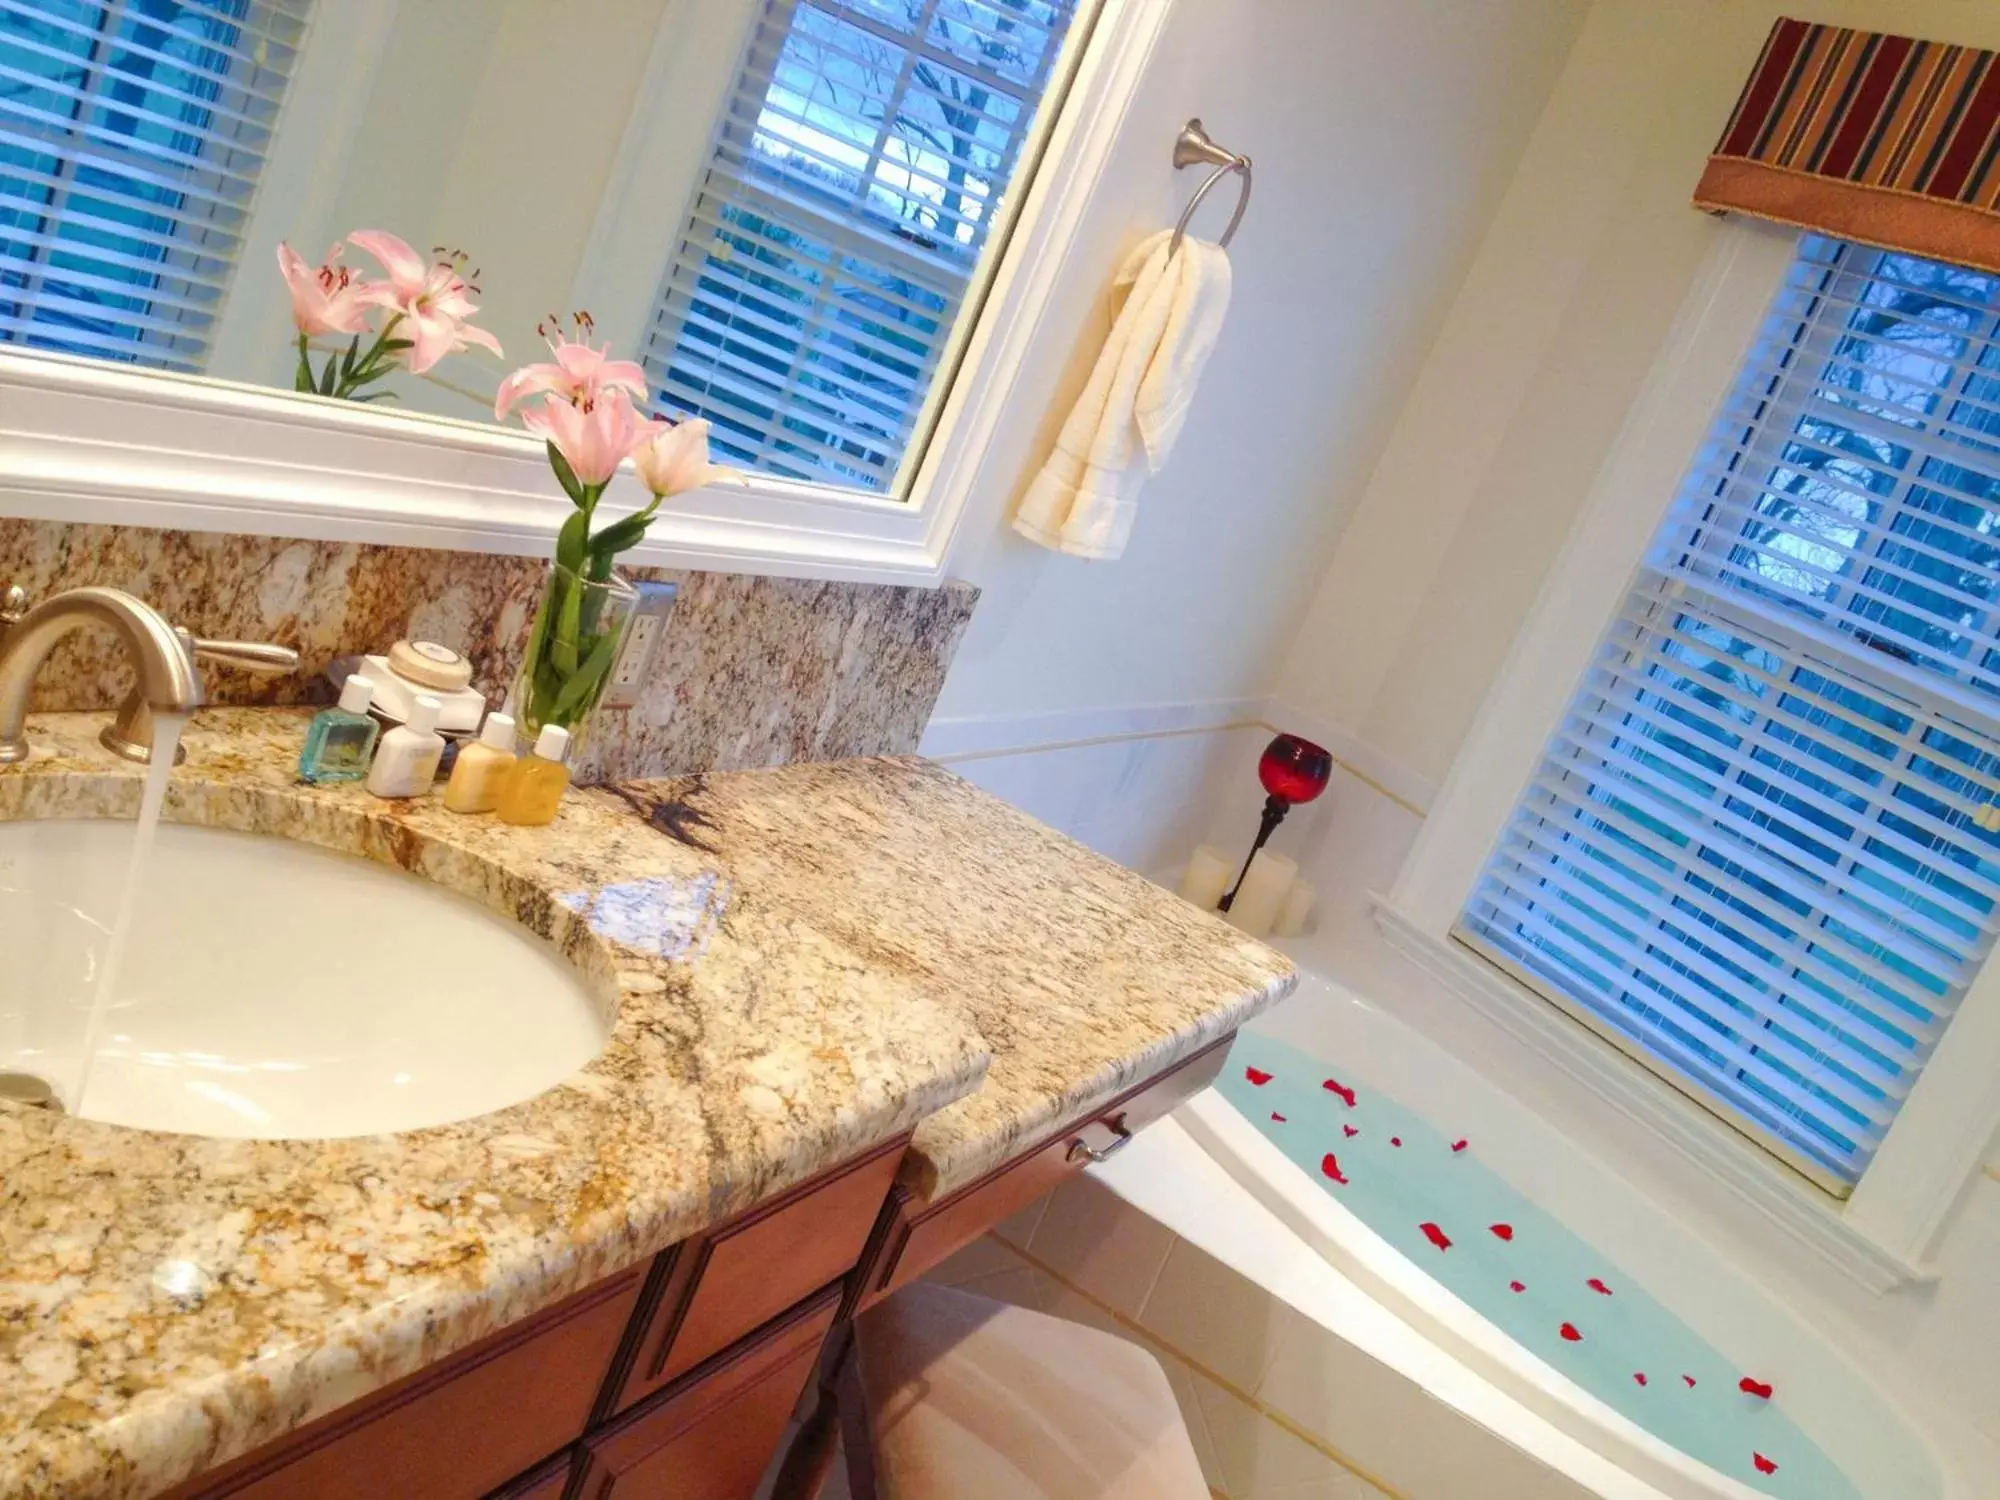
459, 711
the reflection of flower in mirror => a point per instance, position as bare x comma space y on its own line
422, 312
329, 297
433, 298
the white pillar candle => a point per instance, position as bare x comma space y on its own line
1208, 875
1297, 910
1262, 893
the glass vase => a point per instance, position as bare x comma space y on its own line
578, 633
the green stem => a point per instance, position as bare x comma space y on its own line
365, 369
303, 380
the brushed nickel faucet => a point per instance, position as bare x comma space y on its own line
163, 657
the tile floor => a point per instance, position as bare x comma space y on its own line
1279, 1406
1118, 1262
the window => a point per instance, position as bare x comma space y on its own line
855, 176
1760, 851
131, 136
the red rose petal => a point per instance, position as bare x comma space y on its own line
1459, 1145
1278, 1117
1690, 1380
1598, 1287
1640, 1377
1346, 1095
1436, 1236
1257, 1076
1764, 1465
1519, 1286
1569, 1332
1330, 1164
1503, 1231
1349, 1130
1756, 1388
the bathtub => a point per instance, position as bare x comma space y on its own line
1341, 1077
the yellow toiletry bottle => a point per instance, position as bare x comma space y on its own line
482, 769
534, 790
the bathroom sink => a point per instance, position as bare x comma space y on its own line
273, 990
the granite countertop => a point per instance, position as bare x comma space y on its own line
1083, 977
800, 963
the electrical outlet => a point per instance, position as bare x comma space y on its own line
642, 642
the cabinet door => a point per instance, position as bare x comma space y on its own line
711, 1436
547, 1481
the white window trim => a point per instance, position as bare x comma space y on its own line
84, 440
1884, 1234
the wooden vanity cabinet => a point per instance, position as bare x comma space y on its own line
675, 1379
915, 1236
715, 1328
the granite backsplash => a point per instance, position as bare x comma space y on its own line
751, 671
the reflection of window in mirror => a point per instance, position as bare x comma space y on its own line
786, 209
132, 135
852, 181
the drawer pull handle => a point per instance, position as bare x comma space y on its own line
1080, 1150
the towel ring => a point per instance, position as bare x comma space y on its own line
1193, 147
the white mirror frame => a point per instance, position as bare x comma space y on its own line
90, 441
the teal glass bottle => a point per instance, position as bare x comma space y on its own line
340, 742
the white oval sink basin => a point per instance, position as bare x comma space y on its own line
273, 990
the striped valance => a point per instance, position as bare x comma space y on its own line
1883, 139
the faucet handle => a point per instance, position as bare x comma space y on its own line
13, 605
245, 656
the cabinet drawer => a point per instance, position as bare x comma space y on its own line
712, 1437
717, 1287
924, 1234
454, 1431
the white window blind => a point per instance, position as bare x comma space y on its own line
1756, 853
131, 136
854, 178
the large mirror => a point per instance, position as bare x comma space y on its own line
784, 210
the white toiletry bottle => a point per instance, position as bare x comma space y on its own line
406, 762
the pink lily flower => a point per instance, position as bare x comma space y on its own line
434, 300
672, 458
328, 298
580, 374
593, 439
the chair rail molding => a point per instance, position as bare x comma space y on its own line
86, 440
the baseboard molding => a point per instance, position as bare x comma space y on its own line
1388, 775
983, 736
989, 736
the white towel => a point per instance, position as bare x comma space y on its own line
1131, 410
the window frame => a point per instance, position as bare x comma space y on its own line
1884, 1232
82, 440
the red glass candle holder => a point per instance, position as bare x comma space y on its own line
1293, 770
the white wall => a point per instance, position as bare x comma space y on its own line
1565, 306
1568, 298
1384, 132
